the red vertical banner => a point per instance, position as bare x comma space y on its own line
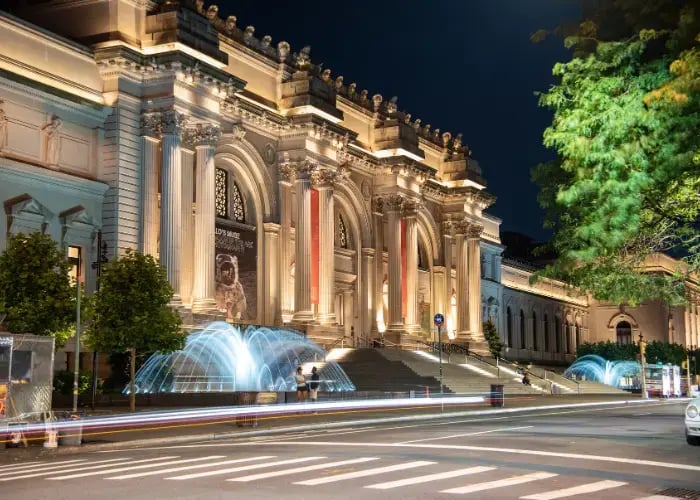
314, 246
404, 290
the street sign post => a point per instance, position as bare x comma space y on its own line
439, 320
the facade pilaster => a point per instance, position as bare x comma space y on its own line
474, 259
171, 201
392, 206
323, 181
271, 272
187, 244
462, 325
302, 273
367, 299
448, 239
286, 180
205, 139
151, 127
410, 214
379, 321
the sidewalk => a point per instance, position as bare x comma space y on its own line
295, 419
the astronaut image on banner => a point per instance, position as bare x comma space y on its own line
230, 295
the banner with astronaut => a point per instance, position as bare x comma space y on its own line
236, 272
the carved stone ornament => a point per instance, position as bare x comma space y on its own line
287, 172
238, 133
205, 135
151, 124
231, 24
378, 205
474, 231
269, 154
366, 190
324, 178
283, 49
461, 227
53, 141
411, 207
447, 227
393, 203
304, 169
173, 122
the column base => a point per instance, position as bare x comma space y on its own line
326, 319
176, 301
303, 317
203, 305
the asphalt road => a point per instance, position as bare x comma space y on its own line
592, 453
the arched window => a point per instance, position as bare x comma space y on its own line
509, 326
221, 193
546, 333
624, 333
342, 233
534, 331
237, 206
557, 334
522, 329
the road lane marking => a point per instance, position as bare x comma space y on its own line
35, 465
657, 497
575, 490
489, 449
503, 429
243, 468
511, 481
265, 475
364, 473
130, 467
429, 477
64, 468
191, 467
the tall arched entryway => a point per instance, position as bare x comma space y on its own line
623, 333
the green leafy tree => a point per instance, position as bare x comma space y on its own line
35, 290
664, 352
493, 339
609, 350
131, 312
625, 129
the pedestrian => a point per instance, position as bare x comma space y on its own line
313, 386
526, 379
301, 385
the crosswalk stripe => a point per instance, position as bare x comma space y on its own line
500, 483
658, 497
243, 468
265, 475
133, 467
9, 469
575, 490
364, 473
429, 477
63, 468
190, 467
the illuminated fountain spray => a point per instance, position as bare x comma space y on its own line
595, 368
221, 358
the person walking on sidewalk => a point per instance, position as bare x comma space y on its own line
313, 386
301, 386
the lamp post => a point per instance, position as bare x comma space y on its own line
97, 265
642, 360
687, 364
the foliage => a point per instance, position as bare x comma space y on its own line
609, 350
35, 289
130, 310
626, 182
663, 352
63, 382
493, 339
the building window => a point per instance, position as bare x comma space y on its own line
221, 193
509, 327
546, 333
522, 329
624, 333
342, 233
75, 259
557, 334
534, 330
237, 202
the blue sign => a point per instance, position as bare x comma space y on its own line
438, 319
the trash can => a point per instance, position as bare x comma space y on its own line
71, 432
247, 399
497, 395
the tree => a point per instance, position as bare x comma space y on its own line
35, 290
493, 339
626, 182
131, 312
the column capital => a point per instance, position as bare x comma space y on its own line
173, 122
325, 178
447, 228
151, 124
202, 135
378, 206
461, 227
411, 207
297, 170
474, 231
393, 203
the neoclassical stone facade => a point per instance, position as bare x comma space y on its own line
272, 191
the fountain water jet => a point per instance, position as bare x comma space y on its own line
221, 358
598, 369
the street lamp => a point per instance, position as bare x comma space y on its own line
688, 350
97, 265
642, 360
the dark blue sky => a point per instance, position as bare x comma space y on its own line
461, 65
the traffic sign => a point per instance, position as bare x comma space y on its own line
438, 319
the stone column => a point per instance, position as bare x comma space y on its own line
323, 182
286, 293
204, 290
302, 272
410, 214
379, 321
187, 251
367, 303
171, 201
450, 322
474, 258
150, 144
393, 205
271, 273
462, 325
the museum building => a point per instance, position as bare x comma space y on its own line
273, 191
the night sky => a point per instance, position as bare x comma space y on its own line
461, 65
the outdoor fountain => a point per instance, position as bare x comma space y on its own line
222, 358
597, 369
